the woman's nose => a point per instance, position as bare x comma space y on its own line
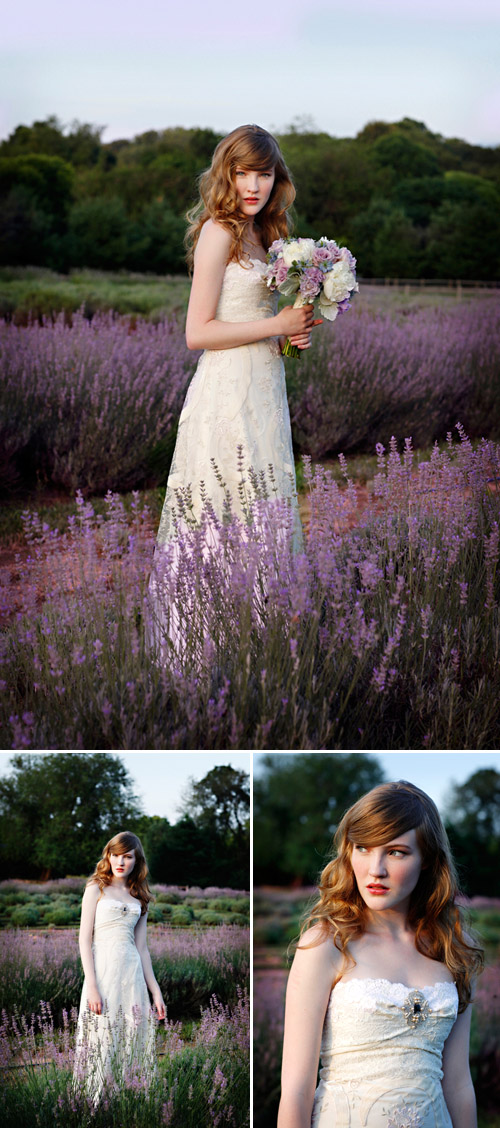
377, 865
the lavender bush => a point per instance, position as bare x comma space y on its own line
200, 1084
410, 372
383, 633
94, 404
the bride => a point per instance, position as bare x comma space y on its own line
235, 422
382, 979
116, 1031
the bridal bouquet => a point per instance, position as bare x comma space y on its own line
312, 268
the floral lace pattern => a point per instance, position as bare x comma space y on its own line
379, 1068
237, 398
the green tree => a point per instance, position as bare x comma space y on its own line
219, 806
98, 233
298, 803
396, 247
463, 241
81, 145
156, 241
473, 825
25, 230
220, 799
404, 157
187, 854
57, 812
50, 179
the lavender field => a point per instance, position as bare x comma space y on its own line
93, 405
203, 1045
383, 632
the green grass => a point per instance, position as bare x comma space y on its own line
25, 290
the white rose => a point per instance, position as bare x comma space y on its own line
339, 282
299, 250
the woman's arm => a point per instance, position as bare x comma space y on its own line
89, 902
203, 331
147, 967
457, 1082
308, 991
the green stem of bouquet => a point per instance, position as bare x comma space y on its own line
290, 350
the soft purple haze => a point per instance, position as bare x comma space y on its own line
133, 69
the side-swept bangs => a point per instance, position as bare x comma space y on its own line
249, 147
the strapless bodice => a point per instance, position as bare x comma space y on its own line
244, 295
115, 921
381, 1052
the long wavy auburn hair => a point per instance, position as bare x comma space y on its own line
379, 817
137, 881
251, 148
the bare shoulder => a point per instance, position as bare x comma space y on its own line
214, 241
317, 954
312, 975
92, 894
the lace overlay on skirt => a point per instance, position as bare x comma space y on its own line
117, 1046
233, 443
237, 398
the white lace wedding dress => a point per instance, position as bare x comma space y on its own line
237, 397
235, 425
118, 1045
381, 1056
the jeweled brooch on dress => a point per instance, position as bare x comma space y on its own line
415, 1008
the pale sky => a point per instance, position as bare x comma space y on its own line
133, 67
434, 772
160, 778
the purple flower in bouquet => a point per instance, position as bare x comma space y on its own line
311, 282
312, 269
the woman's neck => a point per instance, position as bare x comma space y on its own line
388, 922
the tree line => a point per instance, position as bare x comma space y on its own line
407, 201
58, 811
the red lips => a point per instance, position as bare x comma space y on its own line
378, 888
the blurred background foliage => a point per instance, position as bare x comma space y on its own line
409, 202
58, 811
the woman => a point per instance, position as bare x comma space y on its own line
116, 1031
235, 422
382, 979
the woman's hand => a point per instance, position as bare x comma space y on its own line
94, 1001
158, 1003
297, 324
